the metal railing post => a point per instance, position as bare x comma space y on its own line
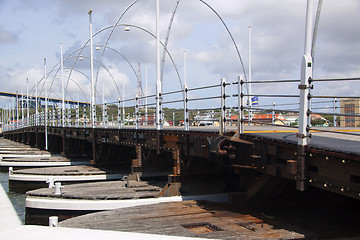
173, 118
334, 109
59, 116
223, 107
186, 109
84, 116
77, 123
273, 113
136, 113
119, 114
105, 115
240, 118
53, 116
303, 134
69, 116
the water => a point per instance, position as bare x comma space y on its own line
17, 199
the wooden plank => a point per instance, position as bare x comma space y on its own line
190, 218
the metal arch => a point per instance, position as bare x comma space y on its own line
85, 45
108, 48
69, 57
57, 70
316, 26
38, 83
122, 55
231, 36
151, 34
110, 34
77, 57
117, 88
128, 25
106, 70
166, 43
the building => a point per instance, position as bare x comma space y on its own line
259, 118
349, 106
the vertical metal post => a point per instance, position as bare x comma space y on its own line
146, 94
306, 75
334, 111
119, 114
46, 108
22, 108
36, 105
136, 113
84, 116
27, 102
223, 107
59, 117
105, 115
240, 118
123, 104
93, 100
173, 118
273, 113
54, 116
93, 103
250, 79
159, 124
14, 116
77, 121
186, 109
17, 110
69, 116
62, 85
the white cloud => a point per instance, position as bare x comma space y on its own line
7, 37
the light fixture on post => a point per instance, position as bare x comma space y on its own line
46, 107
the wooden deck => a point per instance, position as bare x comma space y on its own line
110, 190
190, 219
40, 159
66, 171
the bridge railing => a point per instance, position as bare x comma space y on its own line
326, 113
217, 106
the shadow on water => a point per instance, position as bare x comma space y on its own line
17, 199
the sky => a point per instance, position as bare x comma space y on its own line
31, 30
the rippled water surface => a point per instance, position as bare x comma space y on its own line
17, 199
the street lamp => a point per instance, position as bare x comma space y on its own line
93, 106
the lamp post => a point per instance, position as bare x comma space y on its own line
93, 105
306, 74
27, 102
159, 124
22, 107
146, 93
46, 107
17, 110
250, 78
62, 85
303, 134
36, 105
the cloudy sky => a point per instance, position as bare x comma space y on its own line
31, 30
